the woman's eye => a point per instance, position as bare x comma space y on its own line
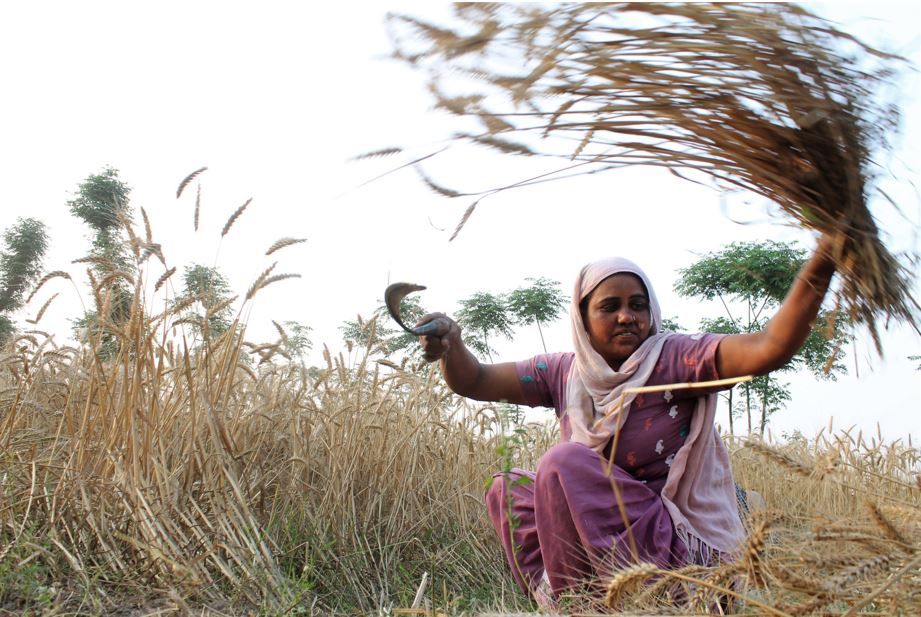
639, 306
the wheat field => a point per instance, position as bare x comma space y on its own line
153, 470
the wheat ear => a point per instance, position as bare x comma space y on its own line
45, 279
233, 217
282, 243
185, 181
627, 581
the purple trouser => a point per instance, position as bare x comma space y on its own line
566, 520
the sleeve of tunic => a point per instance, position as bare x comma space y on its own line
543, 379
688, 358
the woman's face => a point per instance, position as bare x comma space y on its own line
617, 317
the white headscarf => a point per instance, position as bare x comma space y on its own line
594, 390
699, 492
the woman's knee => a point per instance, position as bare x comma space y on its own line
510, 491
495, 492
566, 456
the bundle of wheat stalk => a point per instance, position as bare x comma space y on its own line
758, 97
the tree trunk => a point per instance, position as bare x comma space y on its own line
541, 332
731, 429
486, 345
748, 389
764, 402
748, 405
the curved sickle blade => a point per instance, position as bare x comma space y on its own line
393, 295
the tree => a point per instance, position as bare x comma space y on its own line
102, 203
368, 333
724, 325
541, 302
484, 314
770, 393
20, 266
385, 339
758, 275
670, 324
296, 341
208, 293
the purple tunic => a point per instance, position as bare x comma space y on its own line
569, 525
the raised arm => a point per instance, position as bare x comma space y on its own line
463, 373
758, 353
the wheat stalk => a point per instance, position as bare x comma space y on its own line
233, 217
197, 206
776, 109
778, 457
626, 581
273, 279
260, 280
885, 525
45, 279
148, 234
185, 181
282, 243
281, 332
441, 190
41, 311
753, 553
383, 152
464, 219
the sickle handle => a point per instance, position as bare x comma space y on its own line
427, 328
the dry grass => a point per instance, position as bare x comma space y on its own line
764, 97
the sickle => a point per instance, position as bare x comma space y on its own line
394, 294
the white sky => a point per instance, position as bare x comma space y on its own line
274, 98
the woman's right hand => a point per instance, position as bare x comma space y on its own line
463, 373
438, 343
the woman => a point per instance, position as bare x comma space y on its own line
669, 497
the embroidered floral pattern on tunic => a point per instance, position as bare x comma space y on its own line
659, 422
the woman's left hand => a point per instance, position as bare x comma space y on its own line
759, 353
